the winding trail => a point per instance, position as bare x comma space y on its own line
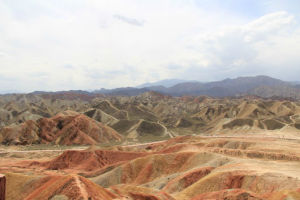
166, 131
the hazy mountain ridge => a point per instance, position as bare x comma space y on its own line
262, 86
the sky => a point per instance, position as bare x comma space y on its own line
92, 44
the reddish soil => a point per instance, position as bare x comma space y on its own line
73, 187
187, 179
87, 161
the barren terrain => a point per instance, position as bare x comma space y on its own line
150, 146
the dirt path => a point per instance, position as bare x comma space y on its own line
82, 188
167, 132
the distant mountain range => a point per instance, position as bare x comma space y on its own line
262, 86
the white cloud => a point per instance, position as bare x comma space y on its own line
54, 45
128, 20
268, 25
267, 45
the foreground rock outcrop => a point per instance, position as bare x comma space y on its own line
2, 187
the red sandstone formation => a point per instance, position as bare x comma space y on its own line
187, 179
88, 161
72, 187
2, 187
75, 128
67, 128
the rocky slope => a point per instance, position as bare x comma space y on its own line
65, 128
182, 168
28, 119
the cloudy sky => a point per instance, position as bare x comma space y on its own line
92, 44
